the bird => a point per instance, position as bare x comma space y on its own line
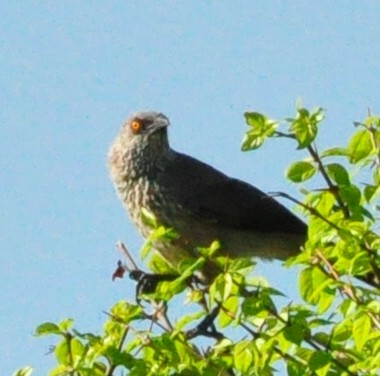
201, 203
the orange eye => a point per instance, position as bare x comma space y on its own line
136, 126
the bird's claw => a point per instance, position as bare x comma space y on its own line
206, 327
147, 282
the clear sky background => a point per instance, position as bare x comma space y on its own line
71, 71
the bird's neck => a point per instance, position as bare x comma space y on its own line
144, 160
148, 160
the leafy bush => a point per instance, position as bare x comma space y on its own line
336, 331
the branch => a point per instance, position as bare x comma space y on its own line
310, 209
346, 289
120, 348
332, 187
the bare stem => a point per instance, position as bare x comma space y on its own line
124, 251
346, 289
332, 187
310, 209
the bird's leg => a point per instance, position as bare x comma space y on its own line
147, 282
206, 327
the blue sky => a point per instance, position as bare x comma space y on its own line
72, 71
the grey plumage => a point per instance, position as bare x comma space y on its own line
199, 202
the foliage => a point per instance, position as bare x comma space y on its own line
336, 331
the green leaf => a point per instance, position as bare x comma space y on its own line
338, 173
126, 312
342, 331
164, 233
261, 128
304, 126
146, 249
194, 296
25, 371
60, 370
260, 123
159, 233
374, 306
295, 333
187, 319
62, 352
243, 266
318, 360
376, 176
360, 146
256, 306
231, 305
149, 218
372, 121
217, 288
167, 289
306, 284
324, 203
361, 329
351, 195
300, 171
315, 288
76, 347
334, 152
211, 250
243, 355
251, 142
159, 264
295, 369
47, 328
371, 192
66, 324
117, 357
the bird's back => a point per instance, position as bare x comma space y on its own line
208, 205
209, 194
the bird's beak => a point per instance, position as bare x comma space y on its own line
160, 123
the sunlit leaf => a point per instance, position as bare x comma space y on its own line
334, 152
228, 313
338, 173
66, 324
305, 126
360, 146
300, 171
295, 333
47, 328
319, 359
243, 355
25, 371
62, 352
351, 195
360, 330
261, 128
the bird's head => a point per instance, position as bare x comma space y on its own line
142, 141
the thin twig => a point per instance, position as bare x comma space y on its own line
346, 289
310, 209
287, 135
256, 335
309, 341
120, 348
160, 316
333, 188
123, 249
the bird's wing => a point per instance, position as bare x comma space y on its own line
210, 195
